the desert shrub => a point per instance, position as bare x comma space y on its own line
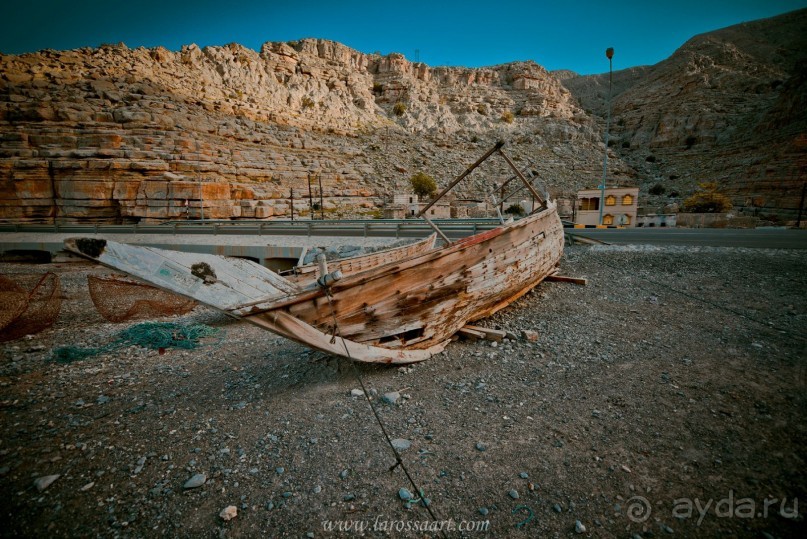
399, 109
657, 189
423, 185
690, 141
307, 102
378, 88
650, 159
507, 117
707, 199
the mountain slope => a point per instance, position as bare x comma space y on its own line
728, 106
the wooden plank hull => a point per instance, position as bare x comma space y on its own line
400, 307
420, 302
292, 328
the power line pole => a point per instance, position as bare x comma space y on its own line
310, 199
609, 53
801, 205
321, 200
201, 201
291, 202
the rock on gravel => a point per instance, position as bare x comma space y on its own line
196, 481
228, 513
401, 444
530, 335
45, 481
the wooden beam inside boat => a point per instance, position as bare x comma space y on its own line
450, 186
522, 178
437, 229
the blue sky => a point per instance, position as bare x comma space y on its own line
557, 35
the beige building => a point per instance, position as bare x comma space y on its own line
619, 209
412, 207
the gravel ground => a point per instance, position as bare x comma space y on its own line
665, 398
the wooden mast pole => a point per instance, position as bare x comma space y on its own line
522, 178
460, 178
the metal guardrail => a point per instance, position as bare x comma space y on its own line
455, 228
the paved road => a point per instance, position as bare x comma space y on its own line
288, 233
766, 238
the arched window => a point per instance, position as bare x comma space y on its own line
610, 200
626, 219
627, 200
607, 219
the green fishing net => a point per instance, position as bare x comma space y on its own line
151, 335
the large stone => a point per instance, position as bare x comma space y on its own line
72, 188
126, 190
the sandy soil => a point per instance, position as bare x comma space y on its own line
666, 397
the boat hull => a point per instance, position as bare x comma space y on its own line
418, 303
401, 306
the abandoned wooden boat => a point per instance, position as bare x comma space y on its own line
401, 305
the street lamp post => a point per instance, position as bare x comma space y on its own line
609, 53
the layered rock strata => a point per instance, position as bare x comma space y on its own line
113, 134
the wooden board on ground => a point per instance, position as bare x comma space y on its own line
489, 334
565, 279
470, 334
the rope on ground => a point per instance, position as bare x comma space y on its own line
398, 460
152, 335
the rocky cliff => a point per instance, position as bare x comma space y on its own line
728, 106
117, 134
120, 134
